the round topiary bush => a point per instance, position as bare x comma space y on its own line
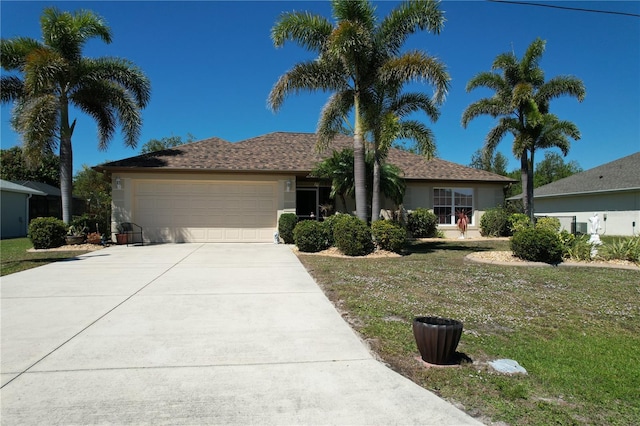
389, 235
47, 232
537, 245
422, 223
495, 223
352, 236
311, 236
286, 223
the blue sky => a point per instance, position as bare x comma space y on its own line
212, 65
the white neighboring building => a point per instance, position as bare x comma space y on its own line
611, 190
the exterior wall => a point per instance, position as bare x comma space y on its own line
124, 198
485, 196
622, 210
14, 214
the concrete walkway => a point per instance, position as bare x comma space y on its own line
192, 334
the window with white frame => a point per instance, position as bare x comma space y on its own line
449, 202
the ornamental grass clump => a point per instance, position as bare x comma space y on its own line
352, 236
47, 232
311, 236
537, 245
389, 235
622, 249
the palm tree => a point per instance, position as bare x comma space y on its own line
522, 102
52, 76
351, 58
339, 168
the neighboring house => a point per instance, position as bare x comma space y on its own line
49, 202
217, 191
611, 190
14, 205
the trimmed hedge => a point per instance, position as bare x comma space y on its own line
286, 224
422, 223
389, 235
537, 245
352, 236
330, 223
311, 236
550, 223
47, 232
495, 223
518, 221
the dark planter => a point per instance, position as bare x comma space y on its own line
437, 339
74, 239
122, 238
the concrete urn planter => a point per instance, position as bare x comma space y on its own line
74, 239
437, 339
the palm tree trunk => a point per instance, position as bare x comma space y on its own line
359, 171
375, 197
530, 177
66, 163
524, 178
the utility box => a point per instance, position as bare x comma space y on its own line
581, 228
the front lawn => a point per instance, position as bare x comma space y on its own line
575, 330
14, 256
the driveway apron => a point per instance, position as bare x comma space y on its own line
192, 334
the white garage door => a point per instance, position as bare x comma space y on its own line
209, 211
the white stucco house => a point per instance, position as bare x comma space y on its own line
14, 205
216, 191
611, 190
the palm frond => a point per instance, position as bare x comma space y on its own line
423, 136
486, 106
356, 11
407, 103
561, 86
120, 71
490, 80
406, 19
311, 75
333, 119
417, 65
307, 30
36, 119
14, 52
11, 88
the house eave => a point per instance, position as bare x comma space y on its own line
573, 194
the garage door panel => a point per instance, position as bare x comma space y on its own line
206, 211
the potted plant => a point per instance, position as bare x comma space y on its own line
121, 236
74, 235
437, 339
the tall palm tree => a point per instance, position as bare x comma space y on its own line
521, 100
351, 58
51, 76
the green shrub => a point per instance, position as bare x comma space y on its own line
623, 249
311, 236
518, 221
47, 232
550, 223
286, 223
537, 245
495, 223
422, 223
352, 236
575, 248
389, 235
89, 223
330, 223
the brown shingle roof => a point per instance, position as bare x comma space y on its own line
285, 152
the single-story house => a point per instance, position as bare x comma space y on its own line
217, 191
14, 205
611, 190
49, 202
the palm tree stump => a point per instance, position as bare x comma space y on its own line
437, 339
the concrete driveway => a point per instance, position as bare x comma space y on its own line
192, 334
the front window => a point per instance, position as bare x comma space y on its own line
449, 202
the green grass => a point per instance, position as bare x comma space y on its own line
14, 256
575, 330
